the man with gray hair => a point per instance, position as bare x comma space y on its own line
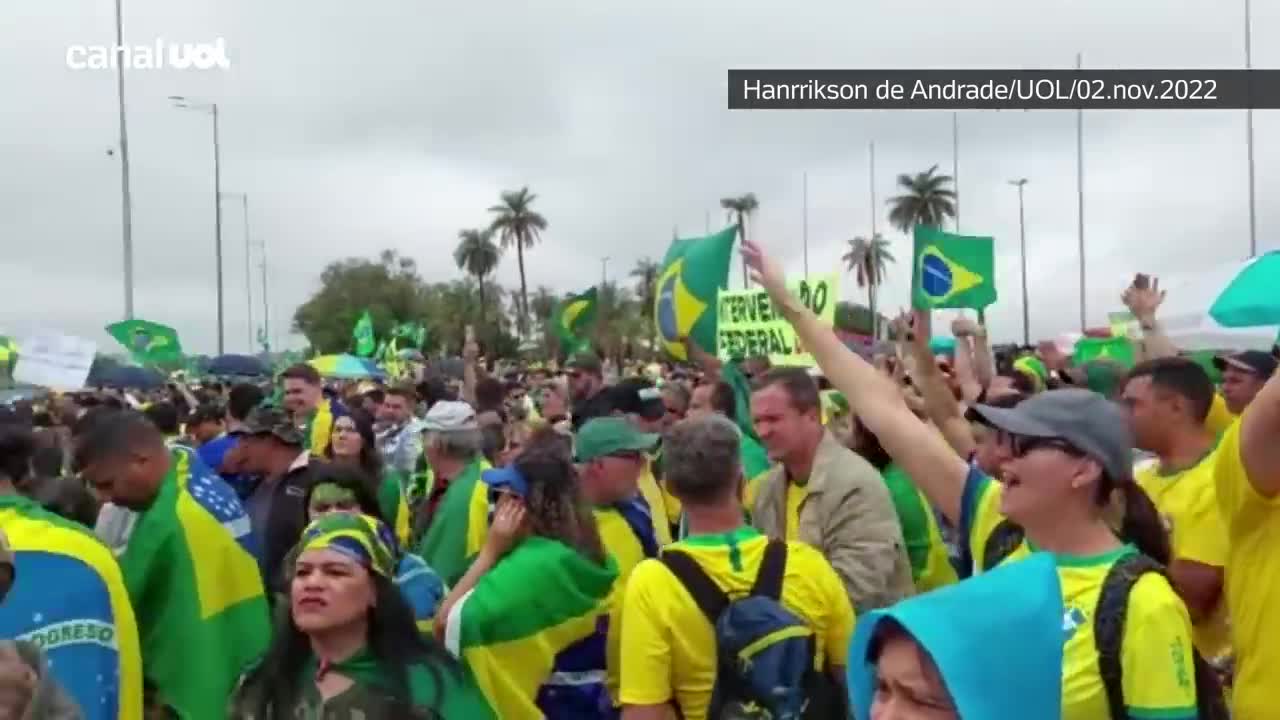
667, 640
453, 516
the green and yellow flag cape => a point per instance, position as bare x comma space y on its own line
194, 582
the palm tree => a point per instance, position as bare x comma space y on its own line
646, 274
868, 260
927, 200
741, 208
477, 256
518, 224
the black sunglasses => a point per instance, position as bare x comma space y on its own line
1020, 445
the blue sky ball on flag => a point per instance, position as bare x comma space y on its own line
935, 277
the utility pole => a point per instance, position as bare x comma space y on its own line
1022, 234
805, 233
955, 164
183, 103
1248, 65
248, 275
126, 203
1080, 198
604, 271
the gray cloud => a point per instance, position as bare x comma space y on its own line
397, 124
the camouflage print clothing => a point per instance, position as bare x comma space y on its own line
359, 702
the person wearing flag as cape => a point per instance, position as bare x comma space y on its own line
63, 599
313, 413
189, 565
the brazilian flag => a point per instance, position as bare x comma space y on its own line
952, 271
692, 275
362, 335
1118, 349
148, 342
571, 319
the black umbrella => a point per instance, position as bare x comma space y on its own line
128, 376
242, 365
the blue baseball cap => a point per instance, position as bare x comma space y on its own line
506, 478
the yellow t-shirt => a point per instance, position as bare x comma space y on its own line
796, 495
654, 495
1188, 504
620, 542
1219, 417
1159, 677
1253, 581
670, 645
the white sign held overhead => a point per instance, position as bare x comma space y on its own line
51, 359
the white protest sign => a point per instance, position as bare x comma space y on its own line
54, 360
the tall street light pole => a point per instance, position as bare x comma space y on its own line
126, 203
183, 103
248, 271
604, 271
266, 310
805, 233
955, 164
1022, 234
1080, 197
1248, 65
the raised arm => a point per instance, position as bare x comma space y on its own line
1259, 428
940, 405
917, 449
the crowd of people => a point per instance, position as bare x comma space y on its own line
897, 535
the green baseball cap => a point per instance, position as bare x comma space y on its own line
608, 436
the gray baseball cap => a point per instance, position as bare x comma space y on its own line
1087, 420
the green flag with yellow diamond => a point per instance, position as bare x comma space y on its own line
952, 271
1119, 349
692, 275
148, 342
571, 319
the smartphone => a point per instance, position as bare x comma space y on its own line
1141, 281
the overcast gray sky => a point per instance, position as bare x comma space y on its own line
355, 128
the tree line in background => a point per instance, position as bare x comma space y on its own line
512, 321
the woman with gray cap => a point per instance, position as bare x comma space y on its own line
1064, 455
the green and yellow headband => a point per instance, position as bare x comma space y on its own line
364, 539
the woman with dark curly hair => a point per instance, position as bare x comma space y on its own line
538, 592
354, 443
347, 647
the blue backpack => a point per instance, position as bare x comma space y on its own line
764, 652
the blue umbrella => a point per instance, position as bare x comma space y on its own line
128, 376
243, 365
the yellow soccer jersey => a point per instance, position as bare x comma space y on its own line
1253, 581
1159, 678
668, 643
1188, 504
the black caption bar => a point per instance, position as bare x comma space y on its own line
1003, 89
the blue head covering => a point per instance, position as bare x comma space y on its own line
996, 639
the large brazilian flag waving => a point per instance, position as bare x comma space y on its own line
692, 274
952, 271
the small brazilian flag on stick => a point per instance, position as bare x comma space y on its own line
148, 342
952, 271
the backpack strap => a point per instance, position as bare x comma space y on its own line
709, 597
769, 577
1108, 634
1003, 540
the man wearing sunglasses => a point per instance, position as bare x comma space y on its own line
587, 390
